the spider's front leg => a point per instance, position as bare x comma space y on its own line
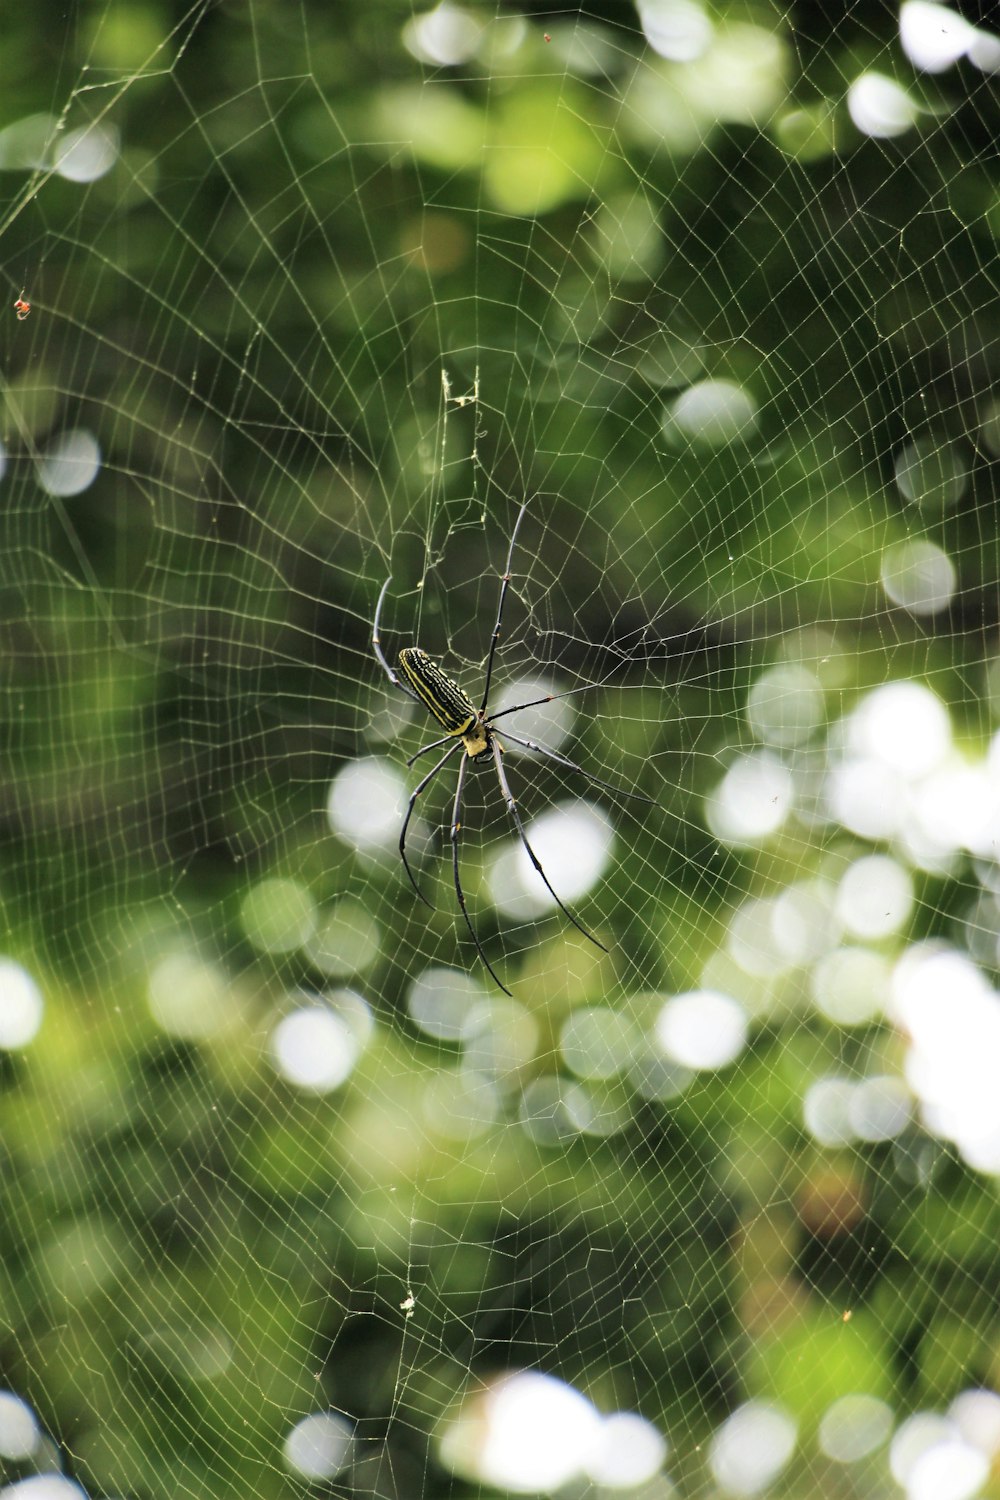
377, 646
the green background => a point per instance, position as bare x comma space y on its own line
251, 312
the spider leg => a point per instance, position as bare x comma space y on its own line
587, 687
455, 826
504, 586
409, 813
571, 765
518, 824
434, 745
377, 646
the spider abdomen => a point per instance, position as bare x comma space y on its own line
453, 708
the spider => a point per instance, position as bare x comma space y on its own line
22, 308
472, 729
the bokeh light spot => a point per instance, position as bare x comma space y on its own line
826, 1111
85, 155
446, 36
904, 725
366, 804
21, 1005
278, 916
316, 1046
751, 1448
851, 985
548, 724
597, 1042
70, 463
677, 29
879, 1108
785, 705
931, 1459
875, 897
26, 144
711, 414
461, 1105
753, 799
702, 1029
919, 577
976, 1414
854, 1426
630, 1451
319, 1446
572, 840
933, 37
527, 1432
932, 474
439, 1001
500, 1039
191, 997
19, 1431
879, 107
346, 941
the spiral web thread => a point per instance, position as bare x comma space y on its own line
295, 1198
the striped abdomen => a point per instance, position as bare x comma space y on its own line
453, 709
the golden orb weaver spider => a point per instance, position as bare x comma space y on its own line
470, 728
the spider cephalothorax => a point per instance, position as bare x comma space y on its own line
472, 729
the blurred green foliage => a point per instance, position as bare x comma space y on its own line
252, 312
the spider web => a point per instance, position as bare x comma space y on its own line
295, 1198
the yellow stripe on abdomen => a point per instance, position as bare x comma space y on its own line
443, 698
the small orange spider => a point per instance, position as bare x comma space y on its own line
22, 308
